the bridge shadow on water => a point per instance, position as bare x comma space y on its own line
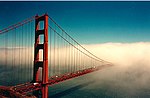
70, 90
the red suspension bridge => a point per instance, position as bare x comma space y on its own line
26, 70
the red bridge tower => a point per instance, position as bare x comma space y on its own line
44, 46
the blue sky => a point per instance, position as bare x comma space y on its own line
88, 22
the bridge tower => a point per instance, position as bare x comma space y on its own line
44, 46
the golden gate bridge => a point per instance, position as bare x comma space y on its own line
28, 69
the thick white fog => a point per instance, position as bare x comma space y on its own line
130, 74
123, 54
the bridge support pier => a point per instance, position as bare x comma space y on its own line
44, 46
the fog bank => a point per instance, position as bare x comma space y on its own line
129, 78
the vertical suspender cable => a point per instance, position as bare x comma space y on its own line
66, 55
54, 51
22, 54
50, 52
14, 68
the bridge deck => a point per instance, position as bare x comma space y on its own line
23, 89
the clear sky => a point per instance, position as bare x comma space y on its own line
88, 22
